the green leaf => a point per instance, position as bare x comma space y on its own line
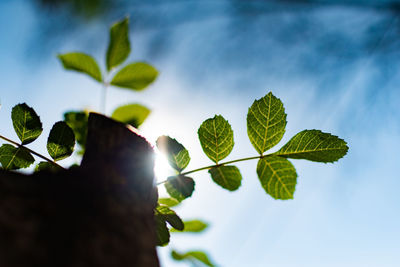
46, 166
61, 141
26, 123
169, 216
161, 231
178, 157
179, 187
314, 145
78, 121
193, 226
169, 202
133, 114
200, 256
119, 46
81, 62
13, 158
228, 177
266, 122
216, 138
136, 76
277, 176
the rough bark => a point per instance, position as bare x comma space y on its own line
98, 214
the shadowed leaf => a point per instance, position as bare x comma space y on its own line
179, 187
169, 216
314, 145
78, 121
228, 177
277, 176
119, 46
46, 166
216, 138
61, 141
13, 158
26, 123
161, 231
266, 122
135, 76
193, 226
200, 256
81, 62
178, 157
133, 114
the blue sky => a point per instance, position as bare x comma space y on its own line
335, 67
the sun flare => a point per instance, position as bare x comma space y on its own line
162, 170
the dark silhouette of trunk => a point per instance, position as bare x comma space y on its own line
98, 214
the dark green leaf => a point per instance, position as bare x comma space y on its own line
78, 121
266, 122
136, 76
277, 176
81, 62
228, 177
26, 123
178, 157
314, 145
133, 114
119, 46
46, 166
200, 256
169, 216
61, 141
193, 226
216, 138
179, 187
170, 201
161, 231
13, 158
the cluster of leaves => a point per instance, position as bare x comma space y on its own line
28, 127
266, 123
135, 76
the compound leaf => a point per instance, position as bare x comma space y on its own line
119, 46
169, 201
13, 158
133, 114
314, 145
192, 255
228, 177
78, 121
26, 123
136, 76
46, 166
179, 187
81, 62
61, 141
170, 216
193, 226
161, 231
277, 176
216, 138
178, 157
266, 122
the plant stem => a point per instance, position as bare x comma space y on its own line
104, 98
33, 152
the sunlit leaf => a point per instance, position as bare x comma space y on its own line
314, 145
81, 62
13, 158
193, 226
179, 187
216, 138
228, 177
78, 121
133, 114
119, 46
161, 231
178, 157
266, 122
200, 256
169, 201
136, 76
61, 141
277, 176
26, 123
169, 216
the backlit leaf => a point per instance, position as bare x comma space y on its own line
26, 123
216, 138
314, 145
81, 62
277, 176
193, 226
133, 114
119, 46
179, 187
228, 177
46, 166
78, 121
169, 216
266, 122
161, 231
200, 256
178, 157
136, 76
61, 141
13, 158
169, 201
